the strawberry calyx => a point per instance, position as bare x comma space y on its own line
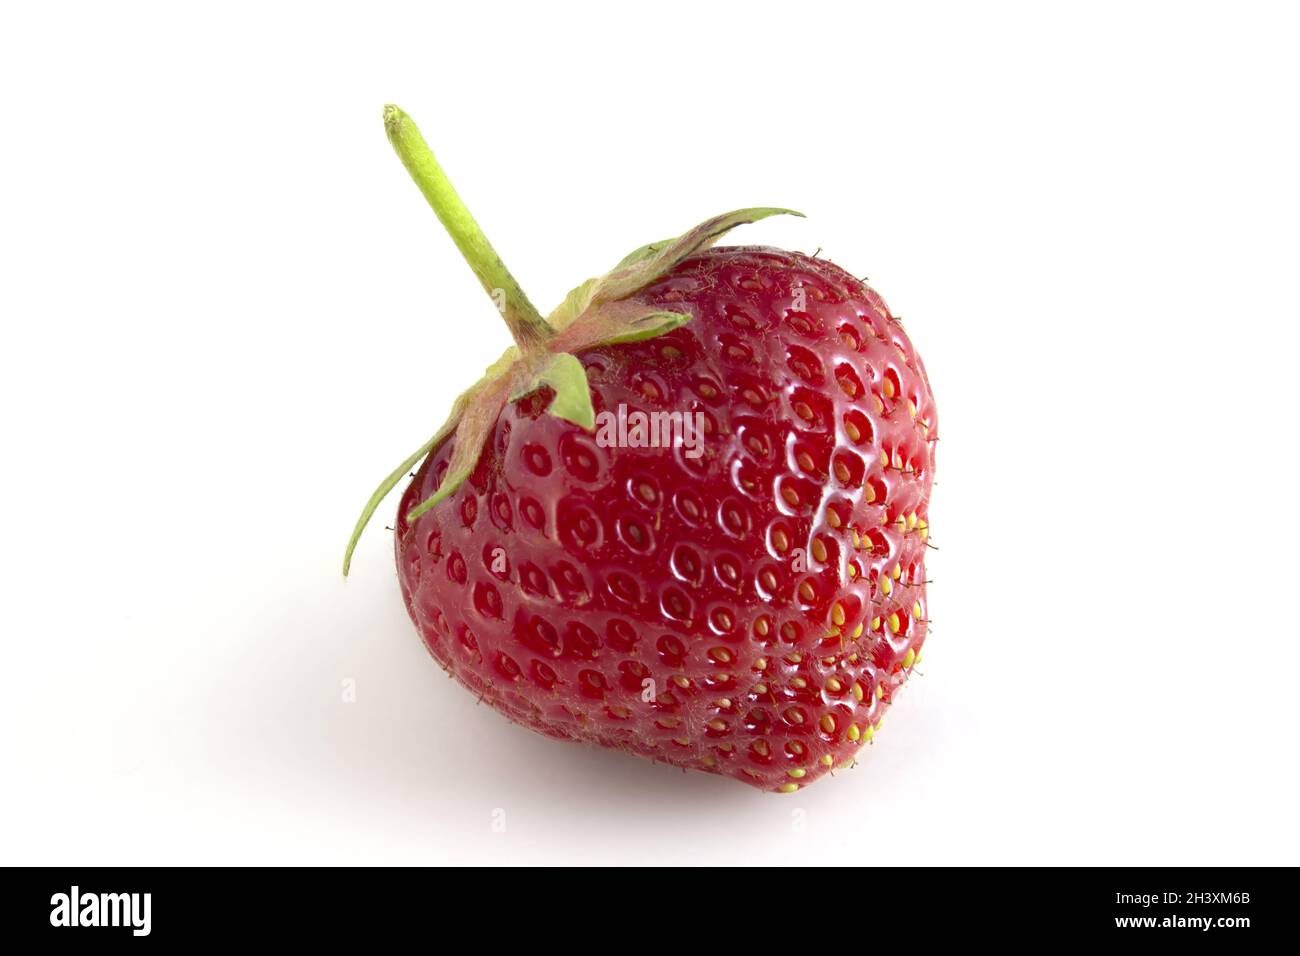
600, 311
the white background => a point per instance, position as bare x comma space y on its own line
227, 313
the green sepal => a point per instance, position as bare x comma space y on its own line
644, 265
494, 372
648, 326
648, 263
476, 421
566, 377
649, 249
389, 483
616, 323
574, 304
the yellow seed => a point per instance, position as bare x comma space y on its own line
884, 459
857, 631
717, 724
909, 658
798, 773
721, 654
886, 586
779, 540
857, 540
682, 741
852, 431
842, 471
875, 623
833, 518
790, 495
828, 724
837, 614
806, 591
880, 691
868, 733
818, 549
761, 748
854, 732
888, 388
924, 528
870, 494
916, 610
806, 462
893, 623
911, 520
760, 689
803, 411
798, 683
796, 748
834, 686
681, 681
762, 626
902, 524
709, 760
858, 692
760, 664
911, 408
853, 571
897, 572
880, 406
787, 788
827, 760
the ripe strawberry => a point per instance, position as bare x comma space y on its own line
748, 610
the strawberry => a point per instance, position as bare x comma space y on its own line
738, 589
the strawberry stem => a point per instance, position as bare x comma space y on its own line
526, 324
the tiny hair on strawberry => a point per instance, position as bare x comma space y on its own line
686, 513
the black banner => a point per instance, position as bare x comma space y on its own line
1225, 907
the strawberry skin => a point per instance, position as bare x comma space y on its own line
751, 611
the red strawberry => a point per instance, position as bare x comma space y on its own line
746, 602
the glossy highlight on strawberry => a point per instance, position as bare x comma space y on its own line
749, 609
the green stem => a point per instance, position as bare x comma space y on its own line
526, 324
